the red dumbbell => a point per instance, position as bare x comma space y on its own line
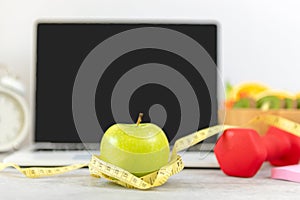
241, 152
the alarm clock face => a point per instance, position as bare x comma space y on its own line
12, 119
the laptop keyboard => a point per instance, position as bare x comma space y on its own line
95, 147
202, 147
67, 147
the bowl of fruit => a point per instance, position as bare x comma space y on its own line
249, 99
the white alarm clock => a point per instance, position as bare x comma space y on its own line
14, 114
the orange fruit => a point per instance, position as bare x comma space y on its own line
247, 89
277, 93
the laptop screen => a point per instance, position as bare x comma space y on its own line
162, 83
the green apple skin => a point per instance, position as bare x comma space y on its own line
139, 149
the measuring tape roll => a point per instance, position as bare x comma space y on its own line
98, 168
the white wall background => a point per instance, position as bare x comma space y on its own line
260, 38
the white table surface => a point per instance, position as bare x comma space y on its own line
189, 184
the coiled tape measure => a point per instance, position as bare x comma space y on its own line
99, 168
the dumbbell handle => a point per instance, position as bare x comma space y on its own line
283, 148
277, 143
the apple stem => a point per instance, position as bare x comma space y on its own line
139, 120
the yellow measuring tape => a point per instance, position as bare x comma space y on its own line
99, 168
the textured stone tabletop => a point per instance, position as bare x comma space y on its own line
189, 184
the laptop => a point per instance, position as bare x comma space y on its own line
91, 75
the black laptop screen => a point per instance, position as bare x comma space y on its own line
63, 48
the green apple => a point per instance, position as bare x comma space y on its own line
138, 148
